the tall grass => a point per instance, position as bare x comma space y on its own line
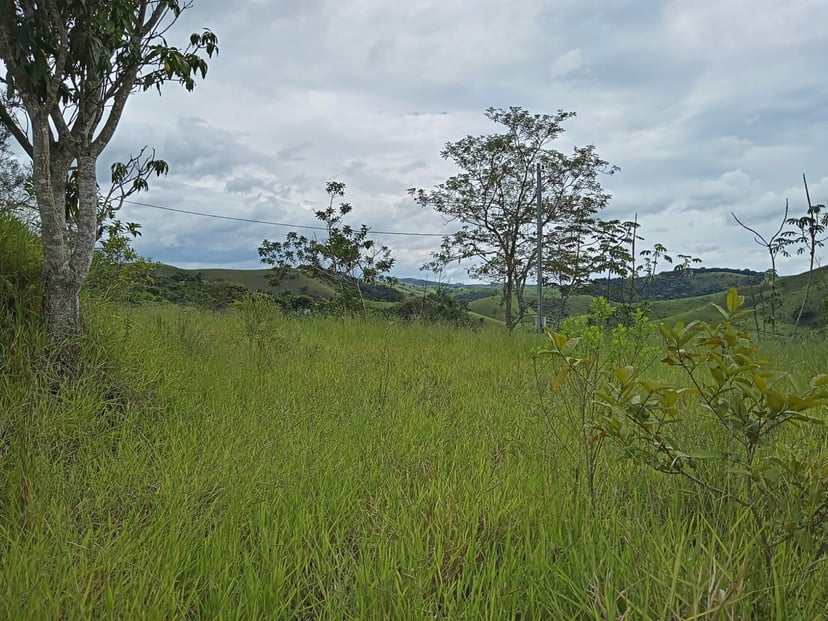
331, 469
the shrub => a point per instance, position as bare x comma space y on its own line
741, 404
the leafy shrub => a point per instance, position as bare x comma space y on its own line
118, 273
21, 268
438, 306
742, 405
600, 349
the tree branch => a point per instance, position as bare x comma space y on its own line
8, 121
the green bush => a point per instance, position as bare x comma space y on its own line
21, 269
720, 416
435, 307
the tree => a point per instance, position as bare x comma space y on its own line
71, 66
775, 244
809, 237
493, 197
118, 272
347, 255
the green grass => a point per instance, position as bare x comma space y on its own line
338, 469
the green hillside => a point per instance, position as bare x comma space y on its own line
484, 301
791, 289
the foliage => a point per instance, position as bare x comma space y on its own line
494, 198
346, 256
14, 199
258, 312
71, 66
808, 235
600, 348
435, 306
118, 273
21, 268
769, 295
744, 402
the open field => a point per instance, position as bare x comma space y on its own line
330, 469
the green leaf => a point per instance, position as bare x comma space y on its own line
623, 374
775, 401
669, 398
718, 376
819, 380
559, 379
721, 310
734, 300
559, 339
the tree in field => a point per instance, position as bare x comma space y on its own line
809, 235
493, 197
71, 66
775, 245
346, 255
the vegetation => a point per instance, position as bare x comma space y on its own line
252, 464
346, 256
70, 68
494, 198
735, 447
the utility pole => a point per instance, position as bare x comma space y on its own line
540, 320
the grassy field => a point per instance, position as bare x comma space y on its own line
330, 469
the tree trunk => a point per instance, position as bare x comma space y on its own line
507, 303
61, 306
67, 255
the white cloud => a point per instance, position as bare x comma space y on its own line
568, 63
708, 107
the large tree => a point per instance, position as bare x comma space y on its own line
493, 197
71, 66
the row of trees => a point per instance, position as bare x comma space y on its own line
71, 65
494, 200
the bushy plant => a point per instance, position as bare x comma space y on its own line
742, 405
258, 312
118, 272
437, 306
21, 267
600, 347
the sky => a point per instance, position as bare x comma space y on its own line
708, 107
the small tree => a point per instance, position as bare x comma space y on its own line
71, 66
118, 272
775, 244
347, 255
729, 409
808, 236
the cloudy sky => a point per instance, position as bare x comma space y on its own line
707, 107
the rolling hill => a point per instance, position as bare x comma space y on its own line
673, 296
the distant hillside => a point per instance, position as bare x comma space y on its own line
673, 296
459, 291
179, 285
790, 288
672, 285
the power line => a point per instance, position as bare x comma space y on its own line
293, 226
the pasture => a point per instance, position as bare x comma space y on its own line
201, 467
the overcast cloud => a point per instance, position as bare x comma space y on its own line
707, 107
